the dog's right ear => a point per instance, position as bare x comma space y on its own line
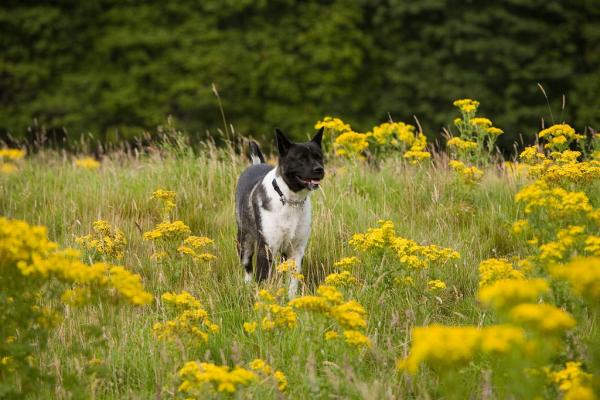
283, 143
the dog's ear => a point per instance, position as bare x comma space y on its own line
318, 137
283, 143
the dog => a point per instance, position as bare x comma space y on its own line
273, 209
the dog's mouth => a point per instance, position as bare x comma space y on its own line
310, 183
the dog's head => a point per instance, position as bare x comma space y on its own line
300, 164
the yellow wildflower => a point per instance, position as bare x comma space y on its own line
357, 339
191, 322
333, 124
442, 346
12, 154
7, 168
492, 130
105, 240
505, 293
350, 315
543, 317
346, 263
531, 155
592, 245
572, 375
87, 163
388, 131
260, 365
281, 379
311, 303
250, 327
461, 144
520, 226
481, 121
167, 230
493, 269
330, 293
76, 296
436, 284
470, 175
566, 239
288, 265
583, 274
404, 281
563, 132
331, 335
350, 144
450, 346
222, 379
467, 106
344, 278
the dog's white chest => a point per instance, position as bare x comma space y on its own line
285, 227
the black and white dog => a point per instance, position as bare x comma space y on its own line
273, 205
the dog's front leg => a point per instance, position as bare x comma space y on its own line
264, 258
297, 256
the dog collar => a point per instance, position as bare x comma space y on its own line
284, 201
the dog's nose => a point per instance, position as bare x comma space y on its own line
318, 170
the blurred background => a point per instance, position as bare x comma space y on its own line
113, 69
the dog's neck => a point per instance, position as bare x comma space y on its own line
287, 192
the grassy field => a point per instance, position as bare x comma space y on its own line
101, 350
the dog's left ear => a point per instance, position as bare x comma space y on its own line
318, 137
283, 143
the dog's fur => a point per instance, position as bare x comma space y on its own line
269, 222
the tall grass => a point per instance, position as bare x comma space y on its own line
426, 204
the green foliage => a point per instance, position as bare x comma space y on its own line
117, 68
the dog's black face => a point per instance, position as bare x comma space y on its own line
301, 164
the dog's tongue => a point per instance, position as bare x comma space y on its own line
314, 184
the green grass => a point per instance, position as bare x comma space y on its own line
425, 203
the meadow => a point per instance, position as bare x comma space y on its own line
428, 274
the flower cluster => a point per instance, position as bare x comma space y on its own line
87, 163
470, 175
167, 233
193, 246
444, 347
494, 269
573, 381
408, 252
9, 159
262, 368
341, 279
167, 198
475, 144
346, 263
197, 376
191, 323
386, 138
503, 294
348, 315
28, 249
351, 144
583, 274
544, 318
560, 167
478, 130
274, 314
35, 271
105, 240
558, 202
200, 379
559, 136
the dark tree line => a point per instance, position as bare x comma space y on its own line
115, 68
